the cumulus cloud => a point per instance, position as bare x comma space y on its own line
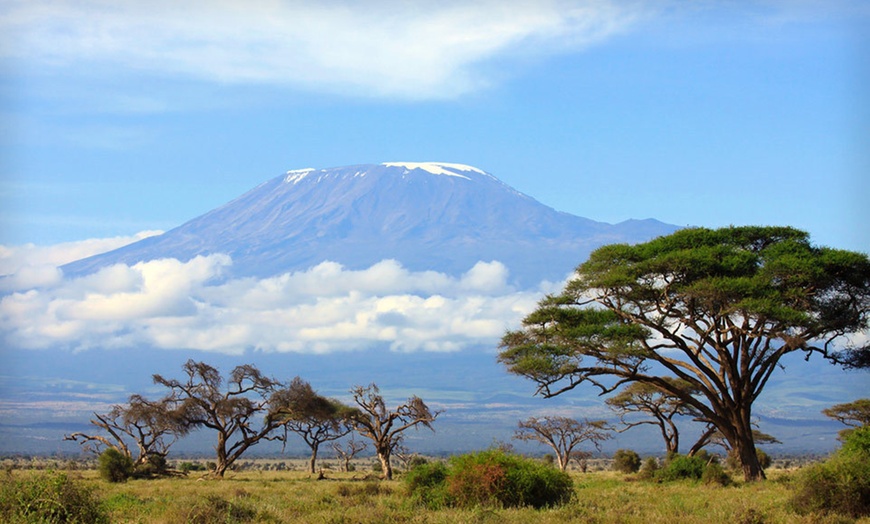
191, 305
408, 49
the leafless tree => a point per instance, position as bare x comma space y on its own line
347, 452
384, 427
232, 411
563, 434
151, 426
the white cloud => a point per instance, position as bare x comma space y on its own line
189, 305
408, 49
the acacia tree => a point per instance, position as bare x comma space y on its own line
315, 418
658, 404
563, 434
854, 414
717, 309
232, 411
384, 427
152, 426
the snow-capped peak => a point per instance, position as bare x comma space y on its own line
437, 168
296, 175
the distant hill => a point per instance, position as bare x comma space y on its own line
427, 216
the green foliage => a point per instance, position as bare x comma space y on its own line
154, 465
857, 443
114, 466
489, 478
682, 467
732, 460
714, 473
649, 468
187, 467
840, 484
49, 498
626, 461
426, 484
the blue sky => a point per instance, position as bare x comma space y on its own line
119, 118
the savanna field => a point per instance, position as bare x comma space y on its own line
293, 495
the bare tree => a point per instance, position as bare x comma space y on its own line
563, 434
384, 427
232, 411
347, 452
315, 418
151, 426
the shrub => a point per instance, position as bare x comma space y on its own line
714, 473
114, 466
49, 498
153, 466
426, 484
626, 461
682, 467
649, 468
839, 485
732, 461
490, 478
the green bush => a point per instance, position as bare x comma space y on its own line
489, 478
114, 466
714, 473
154, 465
649, 468
49, 498
732, 461
626, 461
426, 484
839, 485
682, 467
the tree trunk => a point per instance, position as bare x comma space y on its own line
386, 467
744, 445
312, 462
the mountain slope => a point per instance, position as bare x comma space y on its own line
442, 217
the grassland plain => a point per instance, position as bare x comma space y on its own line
293, 496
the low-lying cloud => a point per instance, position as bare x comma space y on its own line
176, 304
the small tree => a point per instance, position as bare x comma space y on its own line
232, 411
384, 427
151, 426
626, 461
854, 414
315, 418
347, 452
563, 434
114, 466
661, 406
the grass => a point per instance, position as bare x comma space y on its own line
292, 496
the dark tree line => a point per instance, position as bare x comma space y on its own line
245, 409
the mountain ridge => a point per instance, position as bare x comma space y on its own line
426, 215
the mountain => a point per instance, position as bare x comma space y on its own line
428, 216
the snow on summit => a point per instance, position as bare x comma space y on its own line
436, 168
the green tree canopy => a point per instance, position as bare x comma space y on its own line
854, 414
717, 309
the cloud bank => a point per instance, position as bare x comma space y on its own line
172, 304
405, 49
